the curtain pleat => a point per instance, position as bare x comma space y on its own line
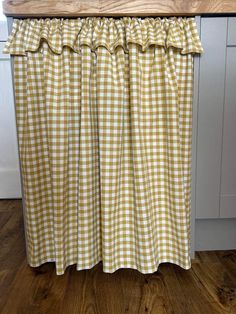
104, 118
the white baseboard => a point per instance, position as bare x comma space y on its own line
215, 234
10, 185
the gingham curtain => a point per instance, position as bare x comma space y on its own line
104, 115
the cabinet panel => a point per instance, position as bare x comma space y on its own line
228, 171
3, 29
231, 31
210, 116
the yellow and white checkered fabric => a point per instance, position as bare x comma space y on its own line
104, 124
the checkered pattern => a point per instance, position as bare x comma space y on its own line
105, 141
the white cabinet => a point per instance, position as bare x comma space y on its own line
10, 186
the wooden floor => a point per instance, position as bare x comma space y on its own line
209, 287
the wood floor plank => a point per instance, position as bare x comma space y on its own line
12, 245
209, 287
218, 280
9, 205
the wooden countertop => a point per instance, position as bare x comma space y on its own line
76, 8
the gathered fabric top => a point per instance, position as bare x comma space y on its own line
28, 34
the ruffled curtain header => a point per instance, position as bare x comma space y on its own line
177, 32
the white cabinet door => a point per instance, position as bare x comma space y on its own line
228, 170
10, 186
216, 149
210, 116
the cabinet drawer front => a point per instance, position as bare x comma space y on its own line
231, 41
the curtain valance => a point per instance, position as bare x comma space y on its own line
28, 34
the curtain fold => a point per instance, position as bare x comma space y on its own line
104, 117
